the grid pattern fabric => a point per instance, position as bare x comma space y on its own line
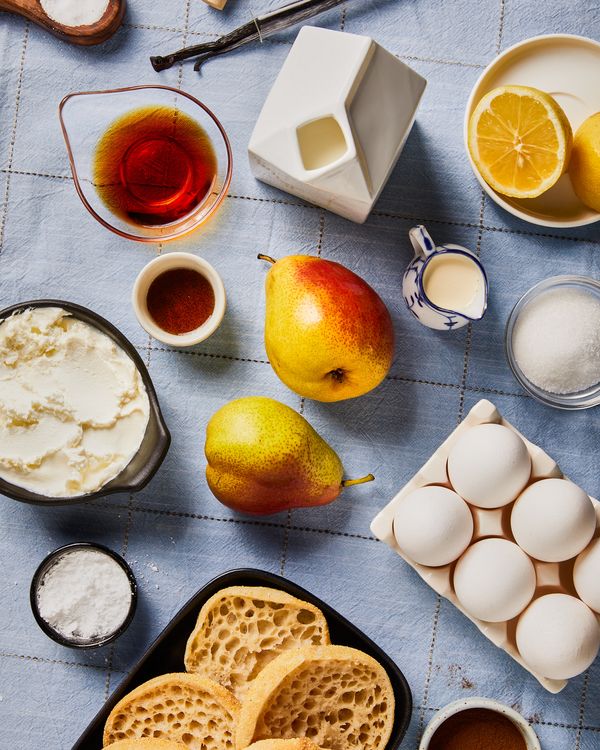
174, 533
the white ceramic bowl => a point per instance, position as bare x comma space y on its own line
531, 740
568, 68
167, 262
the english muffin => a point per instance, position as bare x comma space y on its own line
149, 743
182, 708
338, 697
241, 629
299, 743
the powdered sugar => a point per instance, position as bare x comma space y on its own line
85, 595
75, 12
556, 340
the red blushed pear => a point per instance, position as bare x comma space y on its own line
328, 334
263, 457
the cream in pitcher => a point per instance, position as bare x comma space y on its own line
454, 282
444, 287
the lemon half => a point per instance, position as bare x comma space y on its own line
520, 140
585, 162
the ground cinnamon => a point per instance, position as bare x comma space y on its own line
180, 300
477, 729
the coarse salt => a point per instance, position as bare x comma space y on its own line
556, 340
75, 12
85, 595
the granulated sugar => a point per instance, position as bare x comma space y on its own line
556, 340
75, 12
85, 595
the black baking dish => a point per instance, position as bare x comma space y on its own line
166, 653
155, 444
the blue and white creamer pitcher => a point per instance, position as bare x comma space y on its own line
444, 287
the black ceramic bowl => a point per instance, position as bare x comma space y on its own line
41, 572
166, 654
155, 444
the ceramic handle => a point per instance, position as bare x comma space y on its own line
421, 241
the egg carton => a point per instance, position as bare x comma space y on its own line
550, 577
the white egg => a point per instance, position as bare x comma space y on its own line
489, 465
558, 636
586, 575
433, 525
494, 580
553, 520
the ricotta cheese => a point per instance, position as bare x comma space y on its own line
73, 406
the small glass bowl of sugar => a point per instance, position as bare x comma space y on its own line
83, 595
552, 342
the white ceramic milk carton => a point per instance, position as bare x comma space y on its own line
335, 121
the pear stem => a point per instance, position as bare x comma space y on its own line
362, 480
268, 258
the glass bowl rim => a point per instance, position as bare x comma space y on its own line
45, 565
586, 399
128, 235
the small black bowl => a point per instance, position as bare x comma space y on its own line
38, 577
156, 441
39, 574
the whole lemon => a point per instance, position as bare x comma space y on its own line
585, 162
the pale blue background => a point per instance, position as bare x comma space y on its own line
50, 246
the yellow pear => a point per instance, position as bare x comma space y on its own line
263, 457
328, 334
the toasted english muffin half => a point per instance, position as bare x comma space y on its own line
338, 697
298, 743
179, 707
149, 743
241, 629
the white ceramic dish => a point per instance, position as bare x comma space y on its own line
568, 68
550, 577
167, 262
531, 739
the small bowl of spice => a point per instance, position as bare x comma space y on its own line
552, 342
478, 724
83, 595
179, 299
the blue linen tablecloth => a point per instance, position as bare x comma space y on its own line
174, 533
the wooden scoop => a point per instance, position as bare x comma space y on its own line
85, 35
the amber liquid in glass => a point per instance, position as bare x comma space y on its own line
154, 165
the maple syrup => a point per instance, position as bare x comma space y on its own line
154, 165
